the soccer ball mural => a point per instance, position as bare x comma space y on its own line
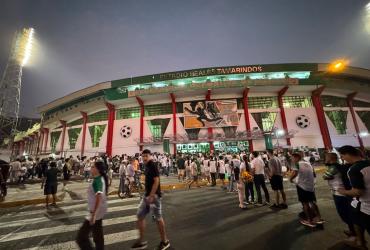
302, 121
126, 131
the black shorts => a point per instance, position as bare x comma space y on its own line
222, 176
305, 196
50, 189
276, 182
66, 177
361, 219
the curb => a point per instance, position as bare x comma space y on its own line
166, 187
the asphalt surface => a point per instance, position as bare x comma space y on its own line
204, 218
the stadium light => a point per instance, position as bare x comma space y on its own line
25, 46
338, 65
366, 17
363, 134
280, 132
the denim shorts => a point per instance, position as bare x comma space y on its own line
155, 207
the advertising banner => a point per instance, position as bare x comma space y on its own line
208, 114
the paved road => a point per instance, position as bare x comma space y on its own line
205, 218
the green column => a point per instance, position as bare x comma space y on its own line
268, 141
166, 145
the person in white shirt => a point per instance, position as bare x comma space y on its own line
188, 169
122, 178
87, 169
207, 174
15, 170
164, 163
213, 170
258, 170
230, 175
222, 171
305, 181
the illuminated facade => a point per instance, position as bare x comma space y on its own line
280, 105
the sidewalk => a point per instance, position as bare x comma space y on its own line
31, 193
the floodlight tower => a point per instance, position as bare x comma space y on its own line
10, 85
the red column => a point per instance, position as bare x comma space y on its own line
246, 117
21, 148
282, 112
64, 127
32, 142
173, 99
321, 117
350, 98
111, 118
46, 131
84, 118
41, 141
142, 113
210, 130
36, 143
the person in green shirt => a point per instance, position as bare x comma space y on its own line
97, 205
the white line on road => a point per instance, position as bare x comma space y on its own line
62, 229
108, 238
42, 210
59, 217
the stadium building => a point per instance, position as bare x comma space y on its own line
234, 108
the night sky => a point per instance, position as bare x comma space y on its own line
83, 42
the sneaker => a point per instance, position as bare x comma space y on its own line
140, 245
274, 206
283, 206
163, 245
318, 221
259, 205
307, 223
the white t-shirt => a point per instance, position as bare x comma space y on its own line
221, 168
205, 164
305, 178
212, 166
243, 167
187, 165
228, 169
122, 169
258, 165
193, 169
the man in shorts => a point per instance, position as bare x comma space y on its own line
151, 200
181, 168
51, 183
276, 179
359, 176
303, 176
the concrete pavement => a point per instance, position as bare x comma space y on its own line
201, 218
31, 193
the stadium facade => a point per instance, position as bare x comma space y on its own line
233, 108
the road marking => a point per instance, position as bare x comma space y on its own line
64, 216
111, 238
42, 210
63, 229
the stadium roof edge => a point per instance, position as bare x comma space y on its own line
74, 95
318, 67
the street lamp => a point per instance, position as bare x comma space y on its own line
279, 133
366, 17
338, 65
363, 134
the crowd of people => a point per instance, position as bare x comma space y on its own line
348, 175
